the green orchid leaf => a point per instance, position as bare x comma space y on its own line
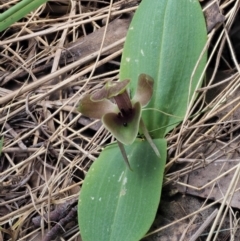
124, 127
18, 11
94, 109
117, 204
165, 41
144, 89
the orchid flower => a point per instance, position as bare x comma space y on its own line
119, 114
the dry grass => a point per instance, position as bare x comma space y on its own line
49, 146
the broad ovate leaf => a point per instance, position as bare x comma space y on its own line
117, 204
165, 41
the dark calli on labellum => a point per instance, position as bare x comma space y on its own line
120, 114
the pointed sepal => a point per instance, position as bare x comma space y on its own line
96, 110
110, 90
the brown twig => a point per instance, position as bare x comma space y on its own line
59, 227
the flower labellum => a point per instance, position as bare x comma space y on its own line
121, 116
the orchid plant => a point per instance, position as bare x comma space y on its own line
165, 40
120, 114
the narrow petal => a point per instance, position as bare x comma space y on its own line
148, 137
96, 110
110, 90
144, 89
124, 128
124, 154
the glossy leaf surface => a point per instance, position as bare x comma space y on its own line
116, 203
165, 40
